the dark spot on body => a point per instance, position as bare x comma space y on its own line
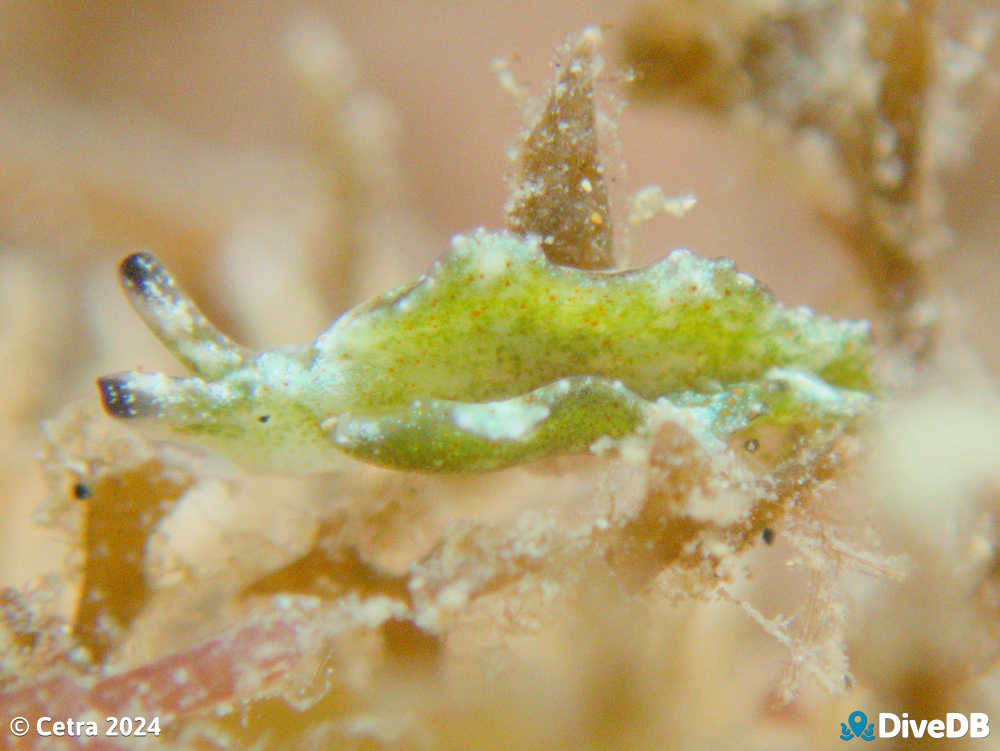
767, 536
82, 491
263, 418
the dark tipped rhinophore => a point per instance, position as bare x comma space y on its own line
176, 320
147, 281
138, 267
119, 400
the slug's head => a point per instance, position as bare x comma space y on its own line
245, 406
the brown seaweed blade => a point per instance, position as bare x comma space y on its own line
561, 194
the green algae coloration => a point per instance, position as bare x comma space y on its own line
499, 356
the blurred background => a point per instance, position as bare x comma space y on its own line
289, 159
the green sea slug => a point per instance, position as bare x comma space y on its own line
494, 357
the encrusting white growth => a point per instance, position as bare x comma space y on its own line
649, 201
817, 391
498, 356
490, 259
509, 420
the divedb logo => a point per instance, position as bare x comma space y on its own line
954, 725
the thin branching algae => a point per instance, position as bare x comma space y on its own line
876, 101
494, 357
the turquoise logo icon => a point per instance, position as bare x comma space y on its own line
857, 727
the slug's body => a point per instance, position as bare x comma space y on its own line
494, 357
